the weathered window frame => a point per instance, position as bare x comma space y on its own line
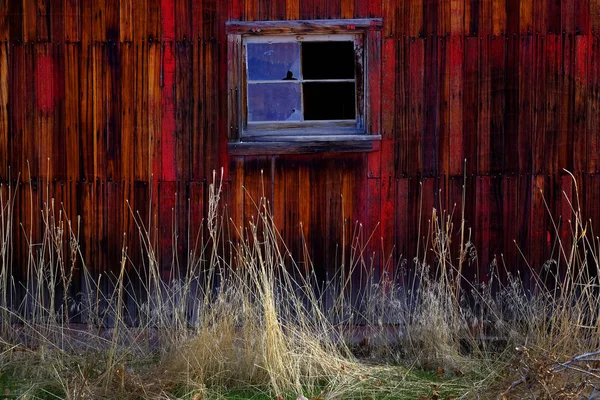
317, 136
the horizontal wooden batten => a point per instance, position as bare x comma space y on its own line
305, 145
324, 26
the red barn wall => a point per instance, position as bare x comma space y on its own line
106, 101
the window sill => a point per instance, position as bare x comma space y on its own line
273, 145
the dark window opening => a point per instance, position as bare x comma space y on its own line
328, 60
329, 100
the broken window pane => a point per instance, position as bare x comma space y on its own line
273, 61
329, 100
328, 60
274, 102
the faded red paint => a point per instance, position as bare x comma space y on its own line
45, 83
168, 125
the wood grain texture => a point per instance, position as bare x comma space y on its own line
103, 102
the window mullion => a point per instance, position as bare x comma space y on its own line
301, 84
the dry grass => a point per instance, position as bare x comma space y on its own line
242, 316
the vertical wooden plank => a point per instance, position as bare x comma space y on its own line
56, 17
540, 164
509, 222
373, 226
389, 67
360, 8
251, 9
471, 103
580, 104
34, 137
168, 167
199, 116
416, 107
497, 246
72, 20
513, 17
211, 138
456, 105
58, 83
390, 18
16, 116
499, 17
593, 106
564, 198
472, 17
197, 210
539, 228
401, 220
5, 20
540, 17
511, 137
128, 105
292, 9
113, 21
278, 10
114, 225
16, 22
320, 9
154, 19
140, 113
553, 63
497, 102
113, 93
375, 9
264, 10
100, 93
484, 140
126, 20
566, 106
167, 199
29, 20
524, 215
415, 18
183, 106
594, 16
45, 103
526, 76
307, 8
567, 12
153, 128
374, 98
431, 10
85, 130
4, 115
139, 22
402, 114
526, 17
443, 153
72, 115
482, 231
429, 140
554, 16
98, 27
99, 238
347, 8
183, 18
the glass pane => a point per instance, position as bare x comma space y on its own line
328, 60
273, 61
274, 102
329, 100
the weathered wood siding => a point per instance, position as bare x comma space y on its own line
105, 101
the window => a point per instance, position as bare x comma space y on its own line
302, 86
